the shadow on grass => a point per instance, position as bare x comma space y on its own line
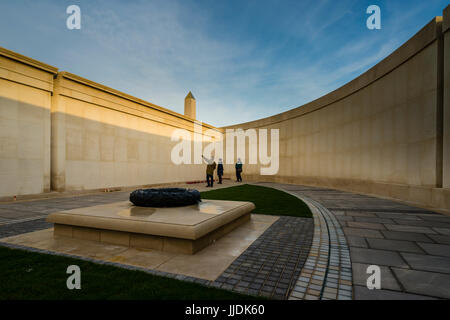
29, 275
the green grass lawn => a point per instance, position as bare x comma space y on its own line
267, 200
28, 275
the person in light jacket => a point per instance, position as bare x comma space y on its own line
238, 167
210, 170
220, 170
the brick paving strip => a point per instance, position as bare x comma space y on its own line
271, 265
327, 274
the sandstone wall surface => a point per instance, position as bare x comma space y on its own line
380, 134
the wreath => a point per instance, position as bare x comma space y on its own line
165, 197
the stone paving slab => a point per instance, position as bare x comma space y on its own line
440, 238
436, 217
355, 241
444, 231
377, 257
438, 224
366, 225
399, 215
388, 280
442, 250
365, 294
424, 283
359, 232
371, 219
428, 262
396, 245
408, 228
410, 236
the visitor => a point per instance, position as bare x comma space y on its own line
220, 170
238, 167
210, 171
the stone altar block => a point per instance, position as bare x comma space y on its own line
180, 230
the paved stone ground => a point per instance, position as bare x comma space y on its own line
272, 264
27, 216
411, 245
327, 272
269, 267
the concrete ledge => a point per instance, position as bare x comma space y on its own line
82, 94
137, 240
26, 60
446, 19
180, 230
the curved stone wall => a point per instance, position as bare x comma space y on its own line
384, 133
380, 134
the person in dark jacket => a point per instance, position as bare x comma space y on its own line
210, 171
220, 170
238, 167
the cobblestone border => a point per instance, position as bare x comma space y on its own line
327, 274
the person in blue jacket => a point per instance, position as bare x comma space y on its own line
238, 167
220, 170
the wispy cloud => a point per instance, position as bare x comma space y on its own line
242, 60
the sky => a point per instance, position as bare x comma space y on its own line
243, 60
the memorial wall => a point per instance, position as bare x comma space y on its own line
386, 133
380, 134
26, 87
61, 132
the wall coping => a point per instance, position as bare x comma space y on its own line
26, 60
424, 37
53, 70
123, 95
446, 19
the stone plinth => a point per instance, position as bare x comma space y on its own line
179, 230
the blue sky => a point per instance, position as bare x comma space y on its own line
243, 60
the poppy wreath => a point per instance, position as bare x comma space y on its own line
165, 197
